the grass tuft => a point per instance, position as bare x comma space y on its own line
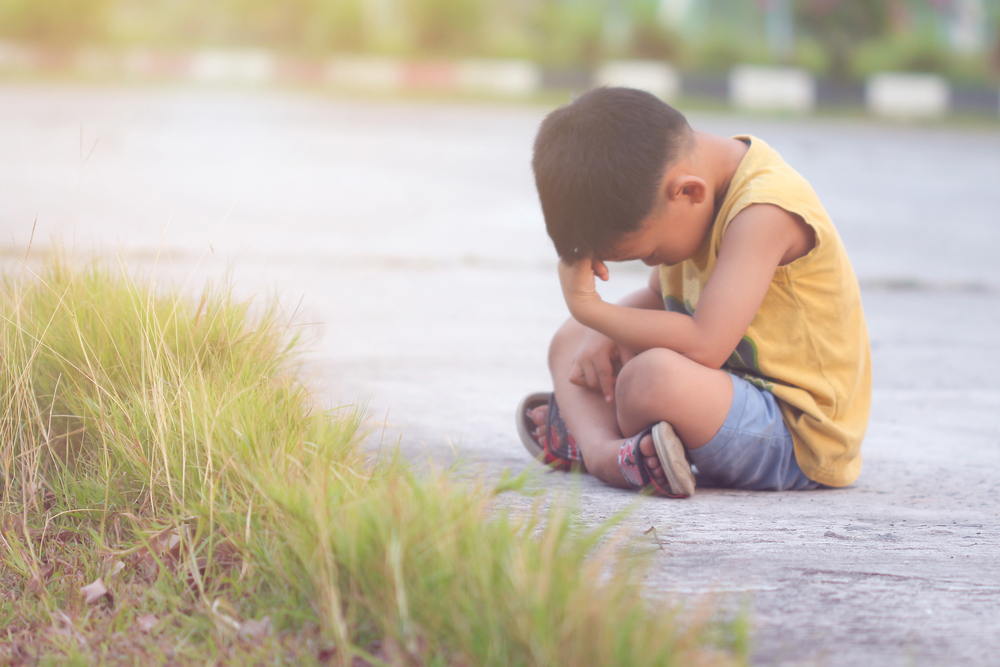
166, 446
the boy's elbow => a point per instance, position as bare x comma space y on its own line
710, 356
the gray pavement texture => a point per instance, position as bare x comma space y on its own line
410, 233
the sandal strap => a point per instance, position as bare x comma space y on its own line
560, 446
630, 461
634, 468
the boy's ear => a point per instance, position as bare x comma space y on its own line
688, 186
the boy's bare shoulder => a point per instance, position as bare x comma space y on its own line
772, 224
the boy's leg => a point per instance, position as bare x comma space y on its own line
657, 385
663, 385
585, 412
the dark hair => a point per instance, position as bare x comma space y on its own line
598, 162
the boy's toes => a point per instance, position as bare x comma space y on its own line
539, 415
648, 451
653, 465
646, 446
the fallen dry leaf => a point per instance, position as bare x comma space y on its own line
63, 625
390, 651
195, 574
65, 537
171, 545
38, 579
10, 525
146, 622
115, 567
164, 548
225, 613
147, 566
96, 592
253, 629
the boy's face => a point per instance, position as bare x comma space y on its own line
670, 234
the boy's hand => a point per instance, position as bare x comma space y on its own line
597, 362
578, 283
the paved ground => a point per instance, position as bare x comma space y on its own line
412, 233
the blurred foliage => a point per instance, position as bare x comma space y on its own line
904, 52
993, 61
652, 40
916, 52
840, 26
567, 34
308, 25
650, 37
842, 38
58, 23
446, 26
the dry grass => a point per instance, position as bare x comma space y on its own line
166, 446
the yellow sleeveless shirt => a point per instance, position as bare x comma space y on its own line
808, 342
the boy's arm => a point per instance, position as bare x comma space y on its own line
758, 240
595, 359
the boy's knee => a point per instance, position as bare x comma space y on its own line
643, 382
567, 337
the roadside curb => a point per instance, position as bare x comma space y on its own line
897, 95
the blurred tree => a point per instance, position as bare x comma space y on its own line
840, 25
994, 57
779, 27
568, 33
57, 23
340, 25
721, 55
655, 41
265, 22
651, 37
446, 26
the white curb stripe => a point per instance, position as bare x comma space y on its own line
772, 89
906, 95
652, 76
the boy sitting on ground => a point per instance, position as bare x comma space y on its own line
747, 355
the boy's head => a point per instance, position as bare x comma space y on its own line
598, 165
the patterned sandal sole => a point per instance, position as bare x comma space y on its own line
525, 427
671, 453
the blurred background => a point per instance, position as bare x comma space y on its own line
372, 158
369, 161
839, 38
838, 44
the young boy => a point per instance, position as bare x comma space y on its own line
747, 355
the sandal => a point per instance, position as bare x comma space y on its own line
670, 451
557, 449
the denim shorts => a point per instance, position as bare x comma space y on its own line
753, 450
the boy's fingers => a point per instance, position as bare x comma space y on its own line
607, 380
600, 269
588, 371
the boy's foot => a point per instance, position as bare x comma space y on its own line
656, 457
544, 434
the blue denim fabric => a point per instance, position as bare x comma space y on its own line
753, 450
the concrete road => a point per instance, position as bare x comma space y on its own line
412, 234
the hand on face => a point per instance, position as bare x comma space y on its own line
578, 285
